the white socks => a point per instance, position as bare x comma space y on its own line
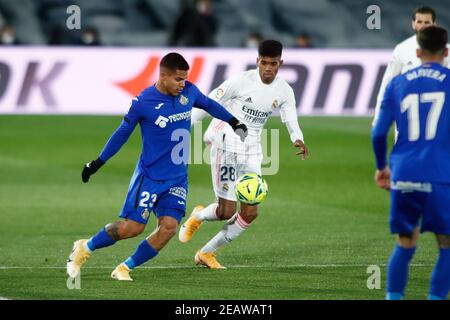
231, 230
208, 213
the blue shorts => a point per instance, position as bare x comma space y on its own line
162, 197
424, 204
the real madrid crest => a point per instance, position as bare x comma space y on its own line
275, 104
145, 214
184, 100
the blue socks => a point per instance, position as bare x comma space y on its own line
397, 273
143, 253
100, 240
440, 278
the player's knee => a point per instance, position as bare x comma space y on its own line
225, 212
168, 231
133, 229
407, 241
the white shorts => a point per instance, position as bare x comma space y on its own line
227, 166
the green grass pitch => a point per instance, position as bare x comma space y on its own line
323, 223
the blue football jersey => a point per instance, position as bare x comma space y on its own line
419, 103
165, 123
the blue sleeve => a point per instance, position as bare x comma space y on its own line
214, 108
122, 133
381, 128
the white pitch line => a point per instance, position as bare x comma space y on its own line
4, 298
231, 266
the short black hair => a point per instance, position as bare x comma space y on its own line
270, 48
424, 10
174, 61
433, 39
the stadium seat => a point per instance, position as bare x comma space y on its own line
165, 11
23, 16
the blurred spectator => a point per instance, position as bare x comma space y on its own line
196, 26
303, 41
8, 35
56, 36
90, 37
253, 40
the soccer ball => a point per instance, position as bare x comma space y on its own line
251, 189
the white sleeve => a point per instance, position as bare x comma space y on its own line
288, 113
295, 133
393, 69
220, 94
288, 108
226, 91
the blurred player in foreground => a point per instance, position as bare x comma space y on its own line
251, 97
419, 103
159, 182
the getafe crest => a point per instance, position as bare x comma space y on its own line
145, 214
184, 100
275, 104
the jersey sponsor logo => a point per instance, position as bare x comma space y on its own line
180, 116
408, 186
178, 192
255, 116
184, 100
162, 121
249, 100
159, 105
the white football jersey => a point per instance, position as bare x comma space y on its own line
404, 58
252, 102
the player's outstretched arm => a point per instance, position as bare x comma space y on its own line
115, 142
